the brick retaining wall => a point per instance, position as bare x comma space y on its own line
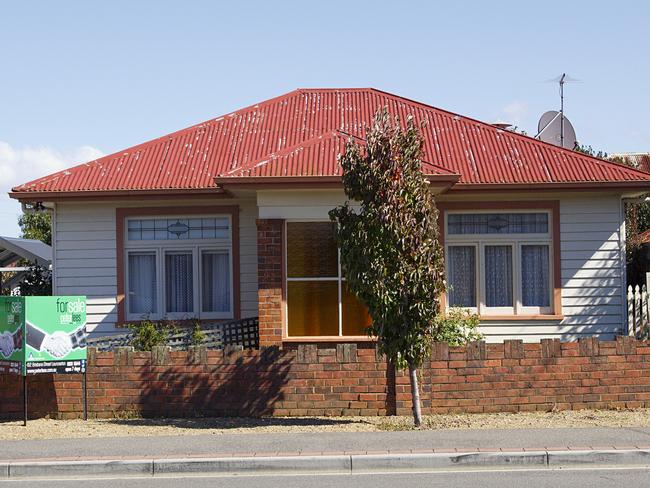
344, 379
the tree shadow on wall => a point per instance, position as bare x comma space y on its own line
242, 391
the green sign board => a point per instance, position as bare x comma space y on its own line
43, 334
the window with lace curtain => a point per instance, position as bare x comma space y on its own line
499, 263
178, 267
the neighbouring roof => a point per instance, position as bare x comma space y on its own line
14, 248
298, 135
636, 160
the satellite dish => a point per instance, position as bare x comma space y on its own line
555, 128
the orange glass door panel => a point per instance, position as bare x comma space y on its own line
313, 308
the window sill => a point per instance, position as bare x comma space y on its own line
517, 318
344, 339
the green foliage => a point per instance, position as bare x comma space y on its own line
36, 282
36, 225
590, 151
197, 337
458, 327
147, 334
390, 252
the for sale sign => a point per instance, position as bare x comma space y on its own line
12, 343
50, 336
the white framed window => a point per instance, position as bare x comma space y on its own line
319, 303
179, 267
499, 262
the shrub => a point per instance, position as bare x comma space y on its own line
197, 337
148, 334
458, 327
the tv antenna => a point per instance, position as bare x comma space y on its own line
553, 126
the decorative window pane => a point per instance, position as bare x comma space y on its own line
311, 250
355, 314
178, 229
535, 276
142, 283
461, 276
498, 276
215, 281
313, 308
179, 293
497, 223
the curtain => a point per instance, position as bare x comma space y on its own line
498, 276
142, 283
535, 276
461, 272
179, 280
216, 281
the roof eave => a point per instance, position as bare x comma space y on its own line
53, 196
573, 186
288, 182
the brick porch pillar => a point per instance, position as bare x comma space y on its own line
270, 233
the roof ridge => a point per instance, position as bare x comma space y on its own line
329, 133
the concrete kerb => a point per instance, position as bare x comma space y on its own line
427, 462
338, 463
247, 465
55, 469
633, 457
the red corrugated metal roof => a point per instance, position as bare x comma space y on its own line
315, 157
300, 133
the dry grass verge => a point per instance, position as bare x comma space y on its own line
127, 427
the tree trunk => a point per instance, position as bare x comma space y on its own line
415, 396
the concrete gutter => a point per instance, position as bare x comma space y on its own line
339, 463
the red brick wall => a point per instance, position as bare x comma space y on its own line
269, 274
344, 379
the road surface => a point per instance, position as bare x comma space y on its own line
575, 478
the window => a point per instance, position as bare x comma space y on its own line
319, 302
179, 267
499, 263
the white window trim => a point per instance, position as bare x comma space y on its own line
514, 240
196, 247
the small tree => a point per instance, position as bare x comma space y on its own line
390, 252
36, 225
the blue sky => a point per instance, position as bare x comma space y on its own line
81, 79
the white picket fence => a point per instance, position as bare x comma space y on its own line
638, 310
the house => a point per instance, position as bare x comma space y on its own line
228, 219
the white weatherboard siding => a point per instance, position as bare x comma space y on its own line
85, 257
591, 261
591, 276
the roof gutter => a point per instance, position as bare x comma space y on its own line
56, 196
573, 186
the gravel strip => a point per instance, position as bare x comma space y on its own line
74, 429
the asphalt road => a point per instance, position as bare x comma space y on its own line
575, 478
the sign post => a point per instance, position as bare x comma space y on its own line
43, 335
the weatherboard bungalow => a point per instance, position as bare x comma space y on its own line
228, 219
